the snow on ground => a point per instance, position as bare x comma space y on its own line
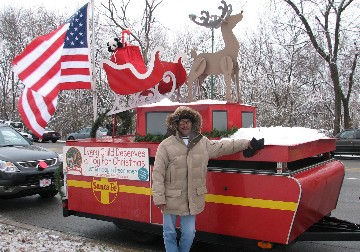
15, 237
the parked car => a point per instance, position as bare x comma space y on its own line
49, 135
27, 135
348, 142
25, 169
19, 126
85, 133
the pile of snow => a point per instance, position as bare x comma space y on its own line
278, 135
167, 102
29, 238
285, 136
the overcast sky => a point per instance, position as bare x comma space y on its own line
171, 13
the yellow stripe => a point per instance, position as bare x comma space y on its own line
80, 184
135, 190
250, 202
219, 199
352, 169
122, 188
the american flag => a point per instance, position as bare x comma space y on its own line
36, 110
56, 61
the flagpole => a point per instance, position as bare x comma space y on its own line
93, 62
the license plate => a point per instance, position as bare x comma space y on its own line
45, 182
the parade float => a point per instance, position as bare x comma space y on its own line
284, 193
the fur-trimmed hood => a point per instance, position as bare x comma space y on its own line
184, 112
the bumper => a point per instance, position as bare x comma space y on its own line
27, 183
20, 191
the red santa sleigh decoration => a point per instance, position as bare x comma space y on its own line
128, 75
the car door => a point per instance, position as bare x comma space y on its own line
356, 142
345, 142
84, 133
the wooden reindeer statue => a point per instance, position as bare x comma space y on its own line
221, 62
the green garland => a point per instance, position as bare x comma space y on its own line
217, 133
213, 134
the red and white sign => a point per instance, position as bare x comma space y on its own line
107, 162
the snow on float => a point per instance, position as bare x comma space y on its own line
284, 193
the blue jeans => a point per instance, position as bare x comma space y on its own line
187, 228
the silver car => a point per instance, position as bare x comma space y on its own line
85, 133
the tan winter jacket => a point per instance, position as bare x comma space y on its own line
179, 175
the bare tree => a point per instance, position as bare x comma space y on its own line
281, 75
328, 36
143, 31
18, 27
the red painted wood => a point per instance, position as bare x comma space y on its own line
320, 192
126, 206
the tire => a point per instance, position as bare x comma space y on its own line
71, 138
48, 194
54, 141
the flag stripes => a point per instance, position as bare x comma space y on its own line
56, 61
36, 110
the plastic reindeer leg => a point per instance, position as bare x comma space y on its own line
196, 70
227, 65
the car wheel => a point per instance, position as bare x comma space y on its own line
71, 138
48, 194
54, 141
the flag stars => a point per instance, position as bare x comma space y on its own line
77, 37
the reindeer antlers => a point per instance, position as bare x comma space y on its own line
212, 21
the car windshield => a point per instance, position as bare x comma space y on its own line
10, 137
349, 134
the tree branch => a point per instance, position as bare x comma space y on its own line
352, 73
309, 31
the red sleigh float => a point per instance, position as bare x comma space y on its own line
129, 74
